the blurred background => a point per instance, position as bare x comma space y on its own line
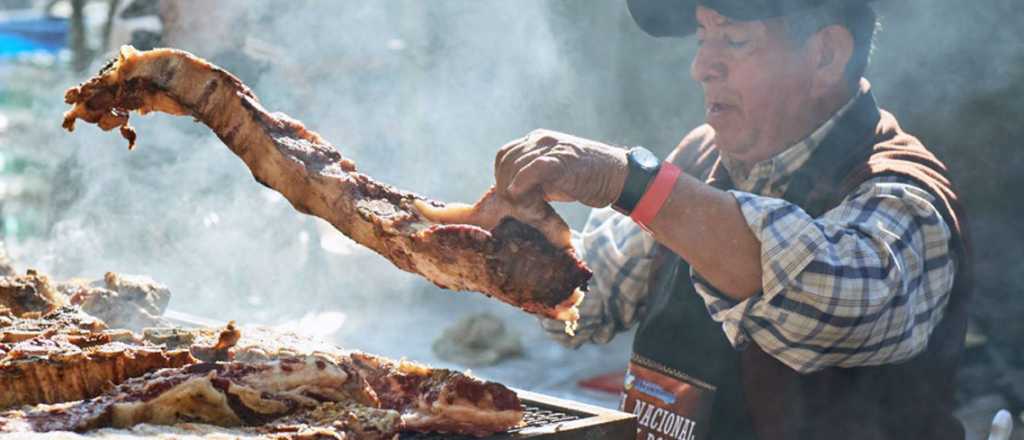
420, 95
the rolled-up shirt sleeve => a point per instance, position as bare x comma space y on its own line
620, 254
864, 284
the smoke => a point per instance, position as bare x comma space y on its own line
420, 95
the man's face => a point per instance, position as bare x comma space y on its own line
756, 85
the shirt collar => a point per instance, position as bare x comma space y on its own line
770, 177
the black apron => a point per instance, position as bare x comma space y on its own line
691, 361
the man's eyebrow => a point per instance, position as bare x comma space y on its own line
723, 21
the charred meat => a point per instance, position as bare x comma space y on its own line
32, 294
262, 381
61, 368
338, 393
122, 301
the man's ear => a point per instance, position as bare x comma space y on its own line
830, 50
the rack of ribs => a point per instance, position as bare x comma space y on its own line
518, 254
68, 370
225, 394
52, 349
360, 394
67, 355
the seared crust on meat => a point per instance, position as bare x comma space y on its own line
28, 295
512, 261
65, 320
439, 400
56, 370
68, 355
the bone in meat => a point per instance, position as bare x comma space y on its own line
58, 367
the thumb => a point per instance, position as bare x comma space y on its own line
541, 170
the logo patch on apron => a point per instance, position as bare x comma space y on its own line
668, 404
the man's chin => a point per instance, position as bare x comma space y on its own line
730, 144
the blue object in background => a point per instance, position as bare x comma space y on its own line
32, 35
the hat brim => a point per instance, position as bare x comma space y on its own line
659, 19
678, 18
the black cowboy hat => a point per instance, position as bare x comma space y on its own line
677, 18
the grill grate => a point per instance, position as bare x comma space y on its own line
535, 415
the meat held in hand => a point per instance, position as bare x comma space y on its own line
521, 256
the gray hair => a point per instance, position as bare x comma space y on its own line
857, 17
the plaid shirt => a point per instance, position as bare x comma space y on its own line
863, 284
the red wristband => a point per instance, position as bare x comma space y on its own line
656, 195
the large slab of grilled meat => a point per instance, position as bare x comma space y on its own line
291, 393
62, 369
426, 399
518, 254
288, 390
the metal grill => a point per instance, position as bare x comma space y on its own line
535, 415
548, 418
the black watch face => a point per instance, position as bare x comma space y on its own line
645, 158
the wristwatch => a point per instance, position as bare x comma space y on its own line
642, 167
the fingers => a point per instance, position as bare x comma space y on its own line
513, 157
510, 150
538, 172
533, 162
504, 150
505, 163
513, 166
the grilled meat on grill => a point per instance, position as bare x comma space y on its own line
255, 344
63, 368
65, 320
501, 256
358, 394
31, 294
122, 301
428, 399
336, 420
439, 400
225, 394
69, 364
69, 355
280, 384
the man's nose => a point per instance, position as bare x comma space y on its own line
708, 65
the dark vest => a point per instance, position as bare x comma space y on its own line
759, 397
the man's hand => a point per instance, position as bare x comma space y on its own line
561, 168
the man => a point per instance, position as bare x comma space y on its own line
797, 267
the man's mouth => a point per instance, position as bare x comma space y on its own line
717, 108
